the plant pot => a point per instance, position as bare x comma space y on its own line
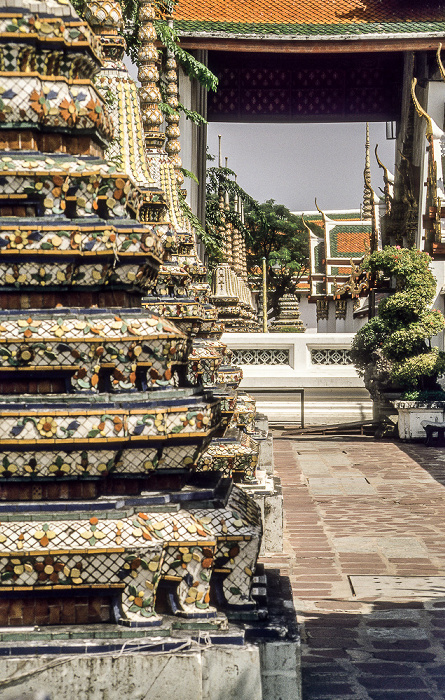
412, 413
383, 408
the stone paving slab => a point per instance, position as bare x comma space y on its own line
340, 486
367, 647
391, 547
398, 586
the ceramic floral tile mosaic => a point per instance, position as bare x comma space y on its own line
136, 553
131, 553
235, 456
87, 463
83, 210
85, 345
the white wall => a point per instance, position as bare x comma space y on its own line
332, 393
194, 138
308, 314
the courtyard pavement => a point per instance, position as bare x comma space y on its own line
365, 556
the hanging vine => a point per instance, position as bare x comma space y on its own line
169, 39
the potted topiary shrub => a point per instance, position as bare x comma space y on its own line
393, 350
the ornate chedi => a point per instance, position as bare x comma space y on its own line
100, 509
230, 292
288, 319
182, 291
174, 295
233, 299
235, 452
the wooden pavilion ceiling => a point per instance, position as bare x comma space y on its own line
301, 88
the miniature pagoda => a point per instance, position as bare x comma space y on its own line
288, 319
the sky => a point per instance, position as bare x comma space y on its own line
294, 163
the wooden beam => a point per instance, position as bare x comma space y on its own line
309, 46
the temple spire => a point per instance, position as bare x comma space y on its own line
148, 75
368, 199
228, 231
172, 132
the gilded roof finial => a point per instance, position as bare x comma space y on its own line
305, 224
439, 62
432, 130
388, 179
387, 175
368, 193
318, 209
325, 216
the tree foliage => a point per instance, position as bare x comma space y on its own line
276, 234
402, 331
269, 229
222, 180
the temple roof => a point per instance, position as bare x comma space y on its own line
349, 241
314, 18
44, 8
316, 219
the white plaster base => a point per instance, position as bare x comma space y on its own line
265, 455
316, 412
410, 419
333, 393
268, 496
267, 671
281, 671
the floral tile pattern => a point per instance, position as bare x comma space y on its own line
83, 210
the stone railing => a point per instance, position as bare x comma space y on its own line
331, 356
261, 356
294, 359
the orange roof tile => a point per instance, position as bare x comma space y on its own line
315, 13
350, 241
341, 271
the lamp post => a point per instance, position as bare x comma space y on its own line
264, 296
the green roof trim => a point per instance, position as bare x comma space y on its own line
358, 29
319, 256
353, 215
353, 228
317, 218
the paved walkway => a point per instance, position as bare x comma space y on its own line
364, 552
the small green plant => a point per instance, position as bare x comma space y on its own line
400, 336
423, 396
292, 329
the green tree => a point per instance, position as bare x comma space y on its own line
276, 234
